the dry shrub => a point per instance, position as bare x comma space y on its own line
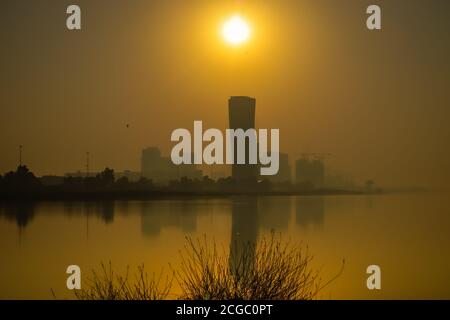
271, 270
106, 285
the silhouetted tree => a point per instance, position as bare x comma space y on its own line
122, 183
106, 177
21, 179
226, 184
183, 184
144, 183
91, 182
207, 183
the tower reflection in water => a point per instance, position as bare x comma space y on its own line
244, 233
248, 215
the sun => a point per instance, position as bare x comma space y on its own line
236, 30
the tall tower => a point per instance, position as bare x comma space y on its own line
242, 116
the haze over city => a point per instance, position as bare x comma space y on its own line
325, 122
376, 101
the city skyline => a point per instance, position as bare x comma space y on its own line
329, 84
220, 151
162, 170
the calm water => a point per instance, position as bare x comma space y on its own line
408, 236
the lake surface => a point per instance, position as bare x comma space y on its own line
407, 235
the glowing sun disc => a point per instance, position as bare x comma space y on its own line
236, 30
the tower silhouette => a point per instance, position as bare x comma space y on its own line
241, 111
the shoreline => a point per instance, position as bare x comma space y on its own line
163, 194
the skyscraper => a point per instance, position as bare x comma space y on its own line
242, 116
151, 162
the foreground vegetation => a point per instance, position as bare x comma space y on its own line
107, 285
271, 270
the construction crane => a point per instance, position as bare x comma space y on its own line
315, 156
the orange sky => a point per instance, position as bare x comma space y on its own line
377, 101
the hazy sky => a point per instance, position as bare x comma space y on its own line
378, 101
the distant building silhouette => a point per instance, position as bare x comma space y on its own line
162, 170
151, 163
310, 172
284, 172
242, 116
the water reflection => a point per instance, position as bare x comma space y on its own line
310, 211
156, 215
274, 212
105, 210
391, 230
248, 214
244, 232
22, 213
